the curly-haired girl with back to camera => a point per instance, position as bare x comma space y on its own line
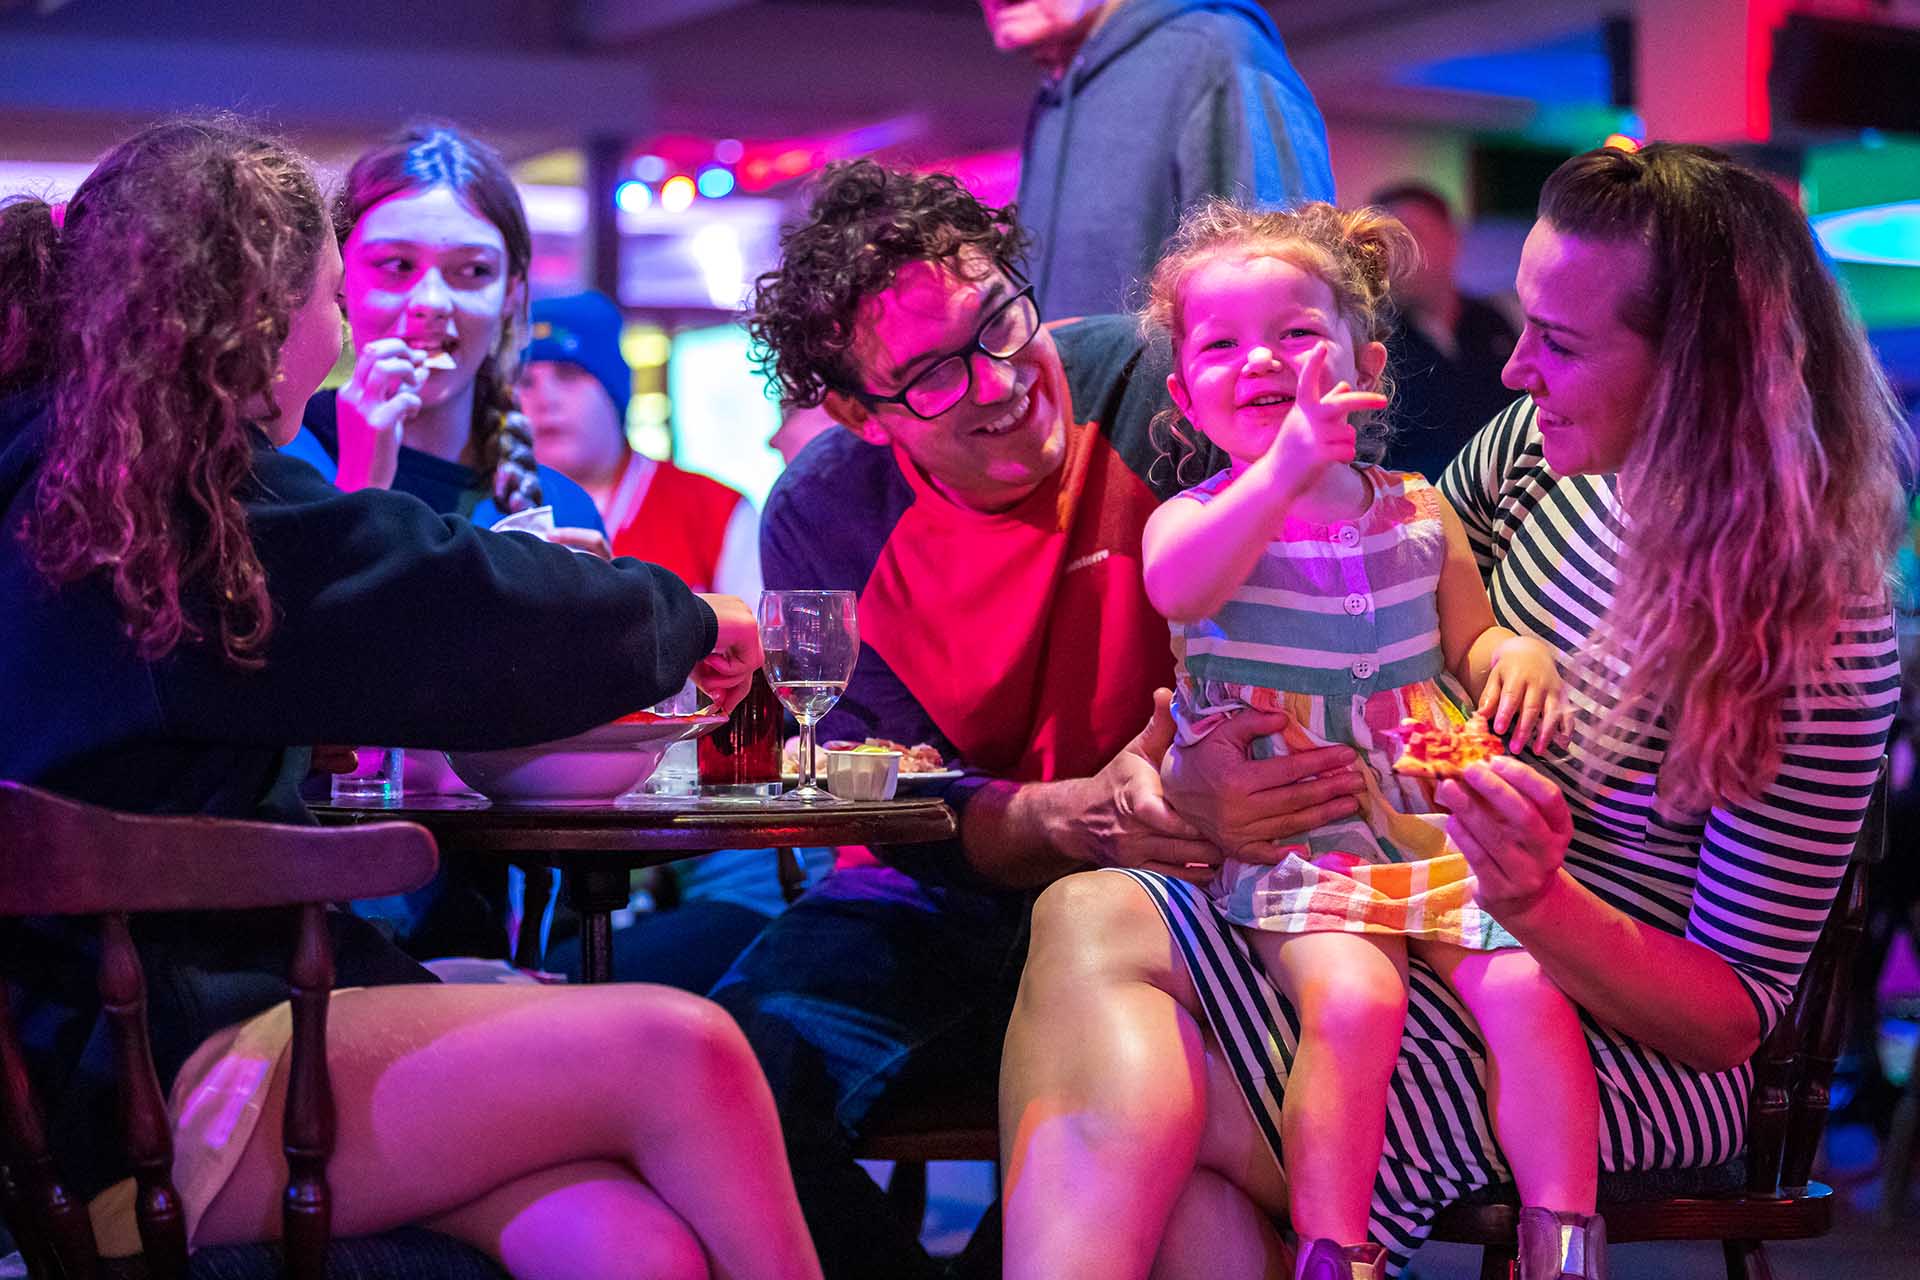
182, 609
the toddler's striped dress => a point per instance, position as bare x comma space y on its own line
1337, 625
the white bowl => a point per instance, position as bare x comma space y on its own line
427, 773
596, 765
863, 775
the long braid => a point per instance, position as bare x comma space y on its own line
503, 440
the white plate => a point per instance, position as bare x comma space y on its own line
908, 781
600, 764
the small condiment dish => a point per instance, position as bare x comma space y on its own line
863, 773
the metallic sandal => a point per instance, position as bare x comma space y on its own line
1562, 1246
1322, 1259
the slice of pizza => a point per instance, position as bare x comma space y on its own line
1440, 751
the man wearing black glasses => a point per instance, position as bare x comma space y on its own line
986, 501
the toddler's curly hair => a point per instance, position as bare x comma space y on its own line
1358, 252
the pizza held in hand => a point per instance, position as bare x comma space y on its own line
1442, 751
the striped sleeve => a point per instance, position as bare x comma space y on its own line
1475, 480
1769, 870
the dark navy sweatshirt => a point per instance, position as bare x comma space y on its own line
392, 624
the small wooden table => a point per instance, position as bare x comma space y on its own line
598, 846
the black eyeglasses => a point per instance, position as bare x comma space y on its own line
945, 383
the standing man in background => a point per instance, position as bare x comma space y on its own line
1149, 106
1446, 350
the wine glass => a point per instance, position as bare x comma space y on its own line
811, 640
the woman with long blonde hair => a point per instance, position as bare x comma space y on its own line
1761, 482
1696, 506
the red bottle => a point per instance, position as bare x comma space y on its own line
742, 756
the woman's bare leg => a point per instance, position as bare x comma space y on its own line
446, 1095
594, 1218
1223, 1221
1103, 1097
1542, 1094
1350, 991
1217, 1231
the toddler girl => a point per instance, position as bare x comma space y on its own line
1302, 580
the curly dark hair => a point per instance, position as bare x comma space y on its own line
866, 222
155, 317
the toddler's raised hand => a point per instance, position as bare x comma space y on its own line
1316, 433
1525, 683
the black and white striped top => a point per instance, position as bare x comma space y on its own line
1753, 883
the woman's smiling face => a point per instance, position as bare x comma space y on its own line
1588, 372
423, 265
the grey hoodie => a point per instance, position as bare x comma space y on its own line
1169, 101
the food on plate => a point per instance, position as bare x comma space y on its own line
1442, 751
919, 758
660, 717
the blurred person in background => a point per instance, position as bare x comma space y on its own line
574, 388
1446, 350
1148, 106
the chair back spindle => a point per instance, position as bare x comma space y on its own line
307, 1214
49, 1224
1823, 1025
143, 1111
1771, 1101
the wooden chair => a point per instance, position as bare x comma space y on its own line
1766, 1194
62, 858
915, 1136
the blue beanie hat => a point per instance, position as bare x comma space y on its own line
584, 329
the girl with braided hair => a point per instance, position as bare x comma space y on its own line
437, 249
